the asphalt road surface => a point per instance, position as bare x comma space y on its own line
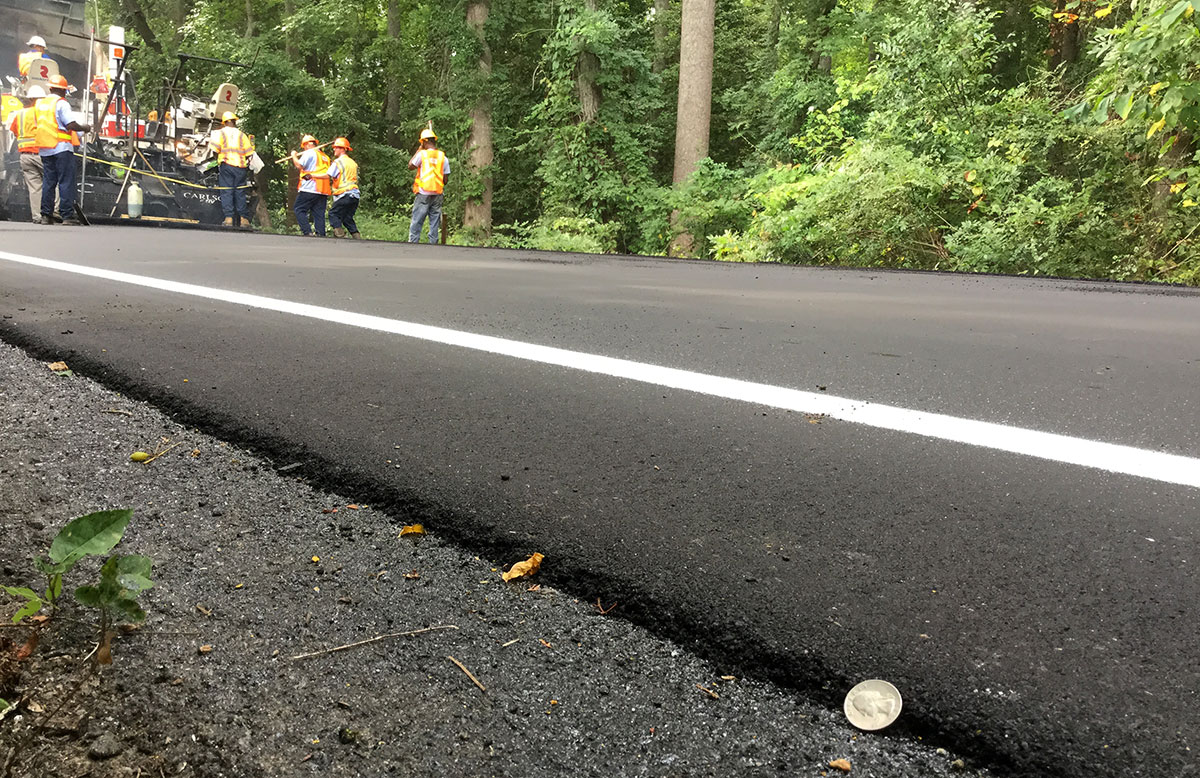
981, 489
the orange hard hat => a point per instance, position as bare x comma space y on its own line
59, 82
308, 139
342, 143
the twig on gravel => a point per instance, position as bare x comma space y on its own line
708, 691
374, 640
160, 453
117, 410
463, 667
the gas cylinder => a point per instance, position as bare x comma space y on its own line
133, 201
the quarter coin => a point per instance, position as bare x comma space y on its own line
872, 704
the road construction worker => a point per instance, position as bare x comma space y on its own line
234, 149
343, 176
57, 138
37, 50
433, 170
313, 192
24, 127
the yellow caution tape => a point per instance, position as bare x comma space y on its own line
181, 182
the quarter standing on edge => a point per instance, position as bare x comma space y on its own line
433, 170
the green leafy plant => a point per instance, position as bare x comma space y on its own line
93, 534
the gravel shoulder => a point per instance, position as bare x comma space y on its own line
259, 568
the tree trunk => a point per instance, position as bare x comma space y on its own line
249, 18
585, 80
289, 38
1064, 38
477, 213
391, 111
772, 43
293, 185
695, 98
137, 16
661, 8
261, 211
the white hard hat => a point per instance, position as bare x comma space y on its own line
35, 93
36, 40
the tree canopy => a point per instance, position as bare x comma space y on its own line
1041, 137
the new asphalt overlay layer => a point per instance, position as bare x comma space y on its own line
257, 567
1033, 612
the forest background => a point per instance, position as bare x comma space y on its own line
1040, 137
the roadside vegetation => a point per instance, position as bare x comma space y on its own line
1052, 137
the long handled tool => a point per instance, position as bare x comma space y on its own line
289, 156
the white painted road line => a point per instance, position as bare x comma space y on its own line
1155, 465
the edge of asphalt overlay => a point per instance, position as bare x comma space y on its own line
1111, 457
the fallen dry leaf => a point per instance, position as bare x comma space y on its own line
414, 575
412, 529
24, 651
544, 643
205, 649
57, 366
352, 507
528, 567
841, 764
104, 652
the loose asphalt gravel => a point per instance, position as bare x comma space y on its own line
236, 542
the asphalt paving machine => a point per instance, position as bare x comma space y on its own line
162, 146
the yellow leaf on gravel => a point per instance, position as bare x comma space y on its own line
528, 567
139, 456
57, 366
413, 529
841, 764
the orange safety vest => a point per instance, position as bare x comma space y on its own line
47, 131
236, 153
429, 173
323, 185
26, 120
347, 179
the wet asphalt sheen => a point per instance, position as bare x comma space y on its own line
1039, 614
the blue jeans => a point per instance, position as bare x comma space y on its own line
310, 203
342, 213
425, 205
59, 170
233, 197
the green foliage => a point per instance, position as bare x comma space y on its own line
711, 202
982, 136
93, 534
122, 579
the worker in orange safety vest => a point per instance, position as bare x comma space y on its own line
343, 179
24, 126
433, 170
57, 139
234, 149
313, 191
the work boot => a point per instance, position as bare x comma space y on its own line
71, 222
43, 220
228, 222
356, 235
339, 232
